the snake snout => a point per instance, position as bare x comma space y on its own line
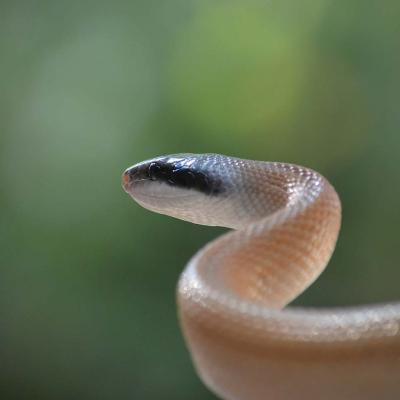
134, 174
125, 180
128, 177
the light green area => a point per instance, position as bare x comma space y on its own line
87, 278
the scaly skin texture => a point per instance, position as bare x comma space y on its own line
245, 345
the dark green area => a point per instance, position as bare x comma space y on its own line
87, 278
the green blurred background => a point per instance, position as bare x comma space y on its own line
87, 278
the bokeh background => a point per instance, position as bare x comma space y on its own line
87, 88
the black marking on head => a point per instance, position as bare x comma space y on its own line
182, 175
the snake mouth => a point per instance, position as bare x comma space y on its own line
140, 196
128, 182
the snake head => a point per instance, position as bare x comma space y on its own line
184, 171
174, 185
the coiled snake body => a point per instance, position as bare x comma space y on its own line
245, 345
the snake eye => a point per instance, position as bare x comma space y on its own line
154, 171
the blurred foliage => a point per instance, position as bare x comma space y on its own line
87, 278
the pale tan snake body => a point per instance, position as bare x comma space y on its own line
231, 295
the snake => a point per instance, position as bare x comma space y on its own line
283, 221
